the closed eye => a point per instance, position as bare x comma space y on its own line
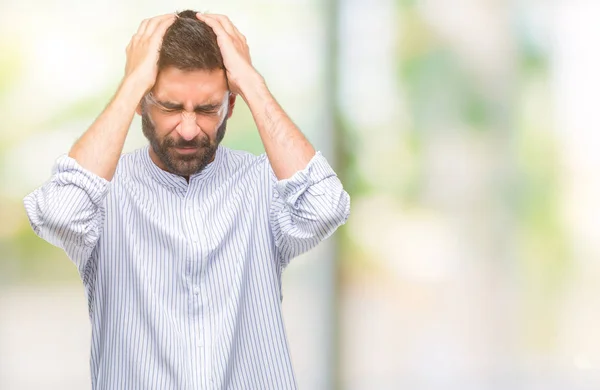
207, 111
169, 110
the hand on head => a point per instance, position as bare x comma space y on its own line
143, 49
234, 49
145, 45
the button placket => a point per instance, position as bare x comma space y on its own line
192, 231
193, 240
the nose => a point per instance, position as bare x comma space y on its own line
188, 129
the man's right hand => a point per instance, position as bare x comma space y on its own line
100, 147
143, 50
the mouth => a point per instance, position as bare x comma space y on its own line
187, 150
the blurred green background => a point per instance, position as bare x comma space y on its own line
465, 132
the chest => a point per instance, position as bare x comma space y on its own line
188, 248
205, 221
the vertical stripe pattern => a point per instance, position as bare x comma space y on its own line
183, 280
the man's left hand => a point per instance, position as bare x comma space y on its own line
236, 54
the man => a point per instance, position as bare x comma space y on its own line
181, 244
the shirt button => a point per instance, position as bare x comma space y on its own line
196, 290
199, 343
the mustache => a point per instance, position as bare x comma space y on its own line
194, 143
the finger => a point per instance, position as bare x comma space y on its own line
162, 27
158, 21
225, 22
229, 27
241, 36
135, 38
215, 25
142, 29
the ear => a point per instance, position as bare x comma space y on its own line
232, 98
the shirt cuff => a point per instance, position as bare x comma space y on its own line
318, 169
67, 171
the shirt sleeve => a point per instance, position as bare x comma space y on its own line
307, 208
68, 210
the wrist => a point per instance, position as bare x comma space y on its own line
135, 85
132, 89
252, 85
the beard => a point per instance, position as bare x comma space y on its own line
178, 164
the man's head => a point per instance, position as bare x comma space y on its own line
185, 115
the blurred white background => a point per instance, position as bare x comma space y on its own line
465, 131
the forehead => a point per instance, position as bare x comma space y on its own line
192, 86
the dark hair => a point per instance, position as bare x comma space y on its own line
190, 44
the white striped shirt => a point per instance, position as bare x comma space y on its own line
184, 280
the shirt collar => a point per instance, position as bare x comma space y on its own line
171, 180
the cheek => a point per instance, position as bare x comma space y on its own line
163, 127
209, 126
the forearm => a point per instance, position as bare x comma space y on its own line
287, 148
99, 148
309, 208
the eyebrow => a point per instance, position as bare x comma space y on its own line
178, 106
